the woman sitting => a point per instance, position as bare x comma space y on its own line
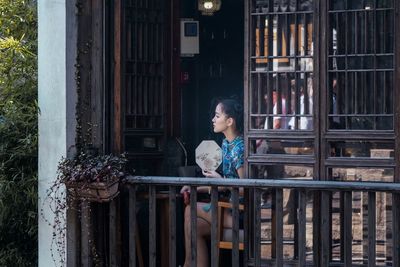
228, 119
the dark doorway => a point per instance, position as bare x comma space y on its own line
217, 71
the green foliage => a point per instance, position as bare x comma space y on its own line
87, 168
79, 175
18, 133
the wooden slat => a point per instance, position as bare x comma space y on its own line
112, 253
347, 229
257, 227
261, 32
146, 39
73, 244
99, 215
246, 68
132, 226
278, 212
305, 40
396, 197
396, 230
246, 223
172, 226
371, 229
263, 183
301, 243
228, 245
279, 44
214, 228
117, 105
287, 38
193, 226
273, 225
324, 250
86, 237
83, 76
316, 239
342, 224
235, 227
229, 205
96, 74
152, 226
163, 239
325, 226
140, 92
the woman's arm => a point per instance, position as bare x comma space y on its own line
211, 174
200, 189
240, 172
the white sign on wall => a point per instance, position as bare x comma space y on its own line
189, 37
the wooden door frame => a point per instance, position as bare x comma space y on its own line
172, 97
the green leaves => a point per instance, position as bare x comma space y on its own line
87, 168
18, 133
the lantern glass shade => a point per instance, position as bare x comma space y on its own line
208, 7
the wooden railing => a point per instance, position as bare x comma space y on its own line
123, 244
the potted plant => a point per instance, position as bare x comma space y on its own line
92, 177
88, 178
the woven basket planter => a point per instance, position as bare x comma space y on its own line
94, 192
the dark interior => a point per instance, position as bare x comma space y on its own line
216, 72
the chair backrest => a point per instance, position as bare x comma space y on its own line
187, 171
227, 235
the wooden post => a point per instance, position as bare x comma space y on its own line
235, 227
132, 226
302, 229
193, 225
372, 229
152, 226
86, 234
172, 226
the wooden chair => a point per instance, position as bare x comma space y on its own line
225, 235
187, 171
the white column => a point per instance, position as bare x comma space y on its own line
57, 96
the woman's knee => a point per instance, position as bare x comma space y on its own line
203, 227
188, 213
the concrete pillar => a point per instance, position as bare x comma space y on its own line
57, 98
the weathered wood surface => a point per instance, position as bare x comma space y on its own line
354, 226
214, 228
266, 183
193, 226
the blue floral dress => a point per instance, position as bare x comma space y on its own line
232, 159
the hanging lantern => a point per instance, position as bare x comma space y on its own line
208, 7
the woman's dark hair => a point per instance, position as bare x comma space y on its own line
233, 109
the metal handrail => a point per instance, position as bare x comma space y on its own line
270, 183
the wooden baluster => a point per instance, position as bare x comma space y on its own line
86, 237
301, 242
172, 226
257, 227
347, 229
132, 226
193, 225
278, 227
235, 227
214, 228
152, 226
371, 229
